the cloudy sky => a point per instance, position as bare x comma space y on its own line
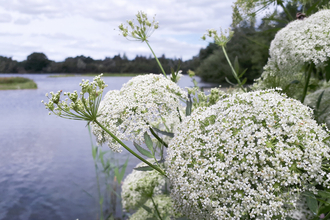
69, 28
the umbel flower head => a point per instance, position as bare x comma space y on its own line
140, 186
220, 39
83, 106
141, 31
301, 42
249, 156
143, 102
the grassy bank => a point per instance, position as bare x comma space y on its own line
95, 74
9, 83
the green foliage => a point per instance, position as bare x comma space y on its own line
36, 62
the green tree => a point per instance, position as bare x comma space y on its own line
36, 62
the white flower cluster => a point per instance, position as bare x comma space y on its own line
164, 206
300, 42
248, 156
143, 102
139, 186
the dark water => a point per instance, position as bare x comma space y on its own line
46, 166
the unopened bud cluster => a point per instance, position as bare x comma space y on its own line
222, 39
140, 31
78, 106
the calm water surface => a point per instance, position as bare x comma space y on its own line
46, 166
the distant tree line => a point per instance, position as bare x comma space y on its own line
250, 44
39, 63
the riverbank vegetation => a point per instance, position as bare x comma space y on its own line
10, 83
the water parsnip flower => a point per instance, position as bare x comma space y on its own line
250, 155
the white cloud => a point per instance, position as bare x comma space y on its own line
5, 18
22, 21
62, 28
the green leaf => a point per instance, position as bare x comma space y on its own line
312, 204
94, 152
327, 216
123, 169
189, 106
229, 82
324, 210
146, 168
120, 175
244, 81
319, 100
325, 139
291, 83
242, 73
142, 150
164, 132
148, 142
327, 71
310, 10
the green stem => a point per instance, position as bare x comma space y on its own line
155, 207
280, 2
232, 69
309, 72
129, 149
160, 65
158, 138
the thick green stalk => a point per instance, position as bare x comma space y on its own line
232, 68
129, 149
309, 72
160, 65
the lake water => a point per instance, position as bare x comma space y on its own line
46, 165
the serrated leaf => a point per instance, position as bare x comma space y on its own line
142, 150
148, 142
164, 132
312, 204
146, 168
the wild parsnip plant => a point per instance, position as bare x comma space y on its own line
245, 155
